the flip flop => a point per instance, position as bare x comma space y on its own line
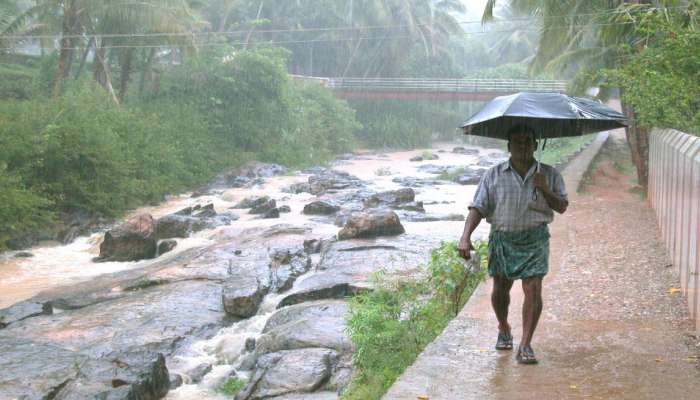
526, 355
504, 341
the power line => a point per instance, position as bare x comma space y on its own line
366, 38
307, 30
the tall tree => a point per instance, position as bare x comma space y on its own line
585, 36
354, 38
113, 29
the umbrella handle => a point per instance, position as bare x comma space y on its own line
534, 190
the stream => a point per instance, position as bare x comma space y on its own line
205, 358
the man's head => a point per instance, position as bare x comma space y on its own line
521, 142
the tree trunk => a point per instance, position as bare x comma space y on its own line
102, 73
66, 43
638, 141
147, 70
91, 42
252, 28
126, 60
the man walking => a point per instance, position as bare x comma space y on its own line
518, 199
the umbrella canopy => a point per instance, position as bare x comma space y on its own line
551, 115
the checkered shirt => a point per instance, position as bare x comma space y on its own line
505, 199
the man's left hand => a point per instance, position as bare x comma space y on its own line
540, 182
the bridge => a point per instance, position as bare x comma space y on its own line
434, 89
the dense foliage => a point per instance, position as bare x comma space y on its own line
662, 82
391, 325
79, 152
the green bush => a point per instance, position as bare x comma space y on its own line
17, 81
82, 152
251, 105
320, 126
662, 82
392, 324
22, 210
232, 386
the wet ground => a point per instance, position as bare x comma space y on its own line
614, 324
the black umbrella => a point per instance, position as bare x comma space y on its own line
551, 115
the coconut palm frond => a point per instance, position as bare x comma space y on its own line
488, 11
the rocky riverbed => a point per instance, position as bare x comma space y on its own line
247, 277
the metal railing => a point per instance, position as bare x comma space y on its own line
446, 85
674, 193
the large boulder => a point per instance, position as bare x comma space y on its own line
252, 201
166, 245
327, 180
242, 295
112, 350
390, 198
328, 332
325, 287
371, 224
416, 206
23, 310
294, 371
320, 208
309, 310
47, 371
178, 226
285, 267
265, 208
191, 219
131, 241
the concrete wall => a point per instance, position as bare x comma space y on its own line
674, 193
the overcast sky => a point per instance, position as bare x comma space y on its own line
474, 8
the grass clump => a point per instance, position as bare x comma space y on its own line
232, 386
392, 324
560, 149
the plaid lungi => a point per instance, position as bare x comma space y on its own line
521, 254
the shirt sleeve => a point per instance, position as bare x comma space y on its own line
558, 187
482, 198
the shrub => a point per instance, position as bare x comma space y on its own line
392, 324
232, 386
22, 210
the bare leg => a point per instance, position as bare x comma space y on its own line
532, 307
500, 300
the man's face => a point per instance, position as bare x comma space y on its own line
522, 146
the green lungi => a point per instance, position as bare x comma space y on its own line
519, 255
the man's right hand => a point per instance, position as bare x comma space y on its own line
465, 246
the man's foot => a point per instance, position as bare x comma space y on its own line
526, 355
505, 341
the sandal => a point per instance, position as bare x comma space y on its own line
505, 341
526, 355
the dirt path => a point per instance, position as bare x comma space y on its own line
613, 327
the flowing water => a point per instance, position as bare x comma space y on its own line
57, 265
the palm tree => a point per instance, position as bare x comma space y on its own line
371, 37
111, 29
585, 36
